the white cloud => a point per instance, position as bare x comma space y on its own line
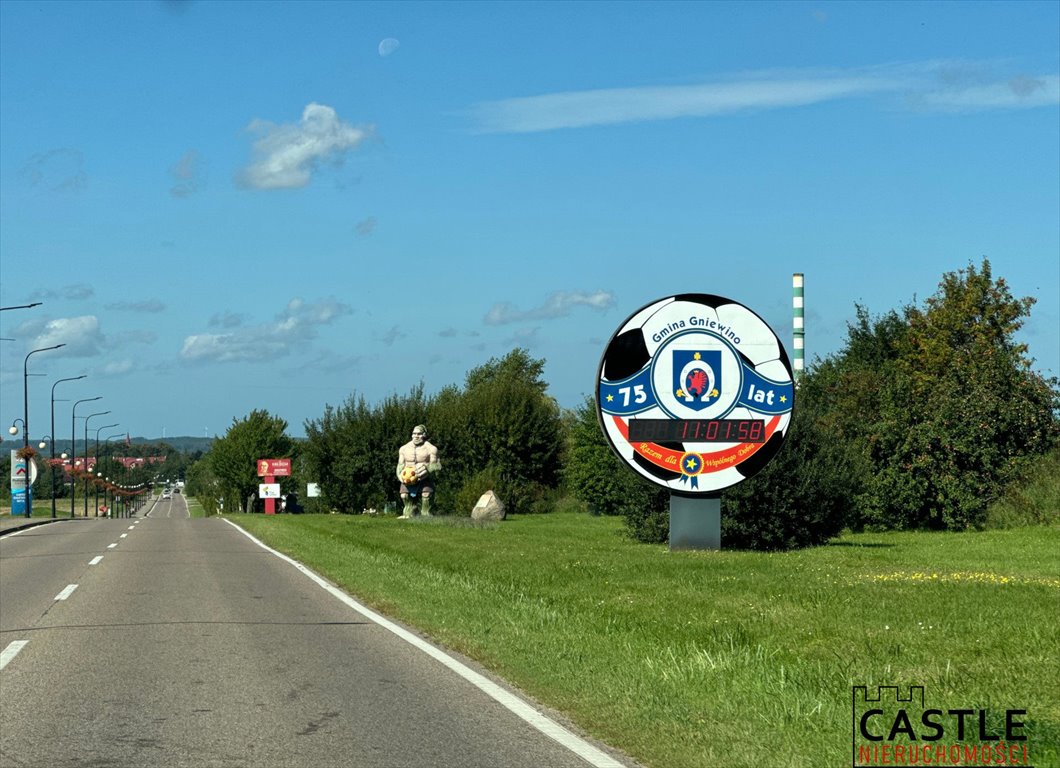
117, 368
388, 45
559, 304
576, 109
286, 156
293, 328
927, 84
81, 335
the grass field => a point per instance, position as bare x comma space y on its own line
722, 659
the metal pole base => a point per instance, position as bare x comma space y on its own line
695, 523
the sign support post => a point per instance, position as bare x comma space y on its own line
268, 470
270, 503
695, 523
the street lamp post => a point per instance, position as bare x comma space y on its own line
96, 465
25, 417
73, 447
114, 496
60, 381
87, 419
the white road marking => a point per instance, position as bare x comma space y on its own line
123, 536
112, 546
95, 560
11, 651
131, 527
547, 726
69, 590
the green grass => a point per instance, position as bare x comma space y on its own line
719, 659
194, 507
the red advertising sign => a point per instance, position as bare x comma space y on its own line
273, 467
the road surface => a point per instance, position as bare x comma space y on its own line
169, 641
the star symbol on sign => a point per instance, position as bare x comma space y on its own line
691, 464
783, 398
610, 398
697, 356
680, 393
714, 392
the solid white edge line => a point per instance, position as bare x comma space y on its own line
547, 726
95, 560
11, 651
69, 590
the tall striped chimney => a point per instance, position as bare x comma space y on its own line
798, 324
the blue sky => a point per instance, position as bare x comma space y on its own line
230, 206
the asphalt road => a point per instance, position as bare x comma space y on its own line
170, 641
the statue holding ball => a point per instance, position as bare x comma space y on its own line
417, 465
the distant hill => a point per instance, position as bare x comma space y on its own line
182, 444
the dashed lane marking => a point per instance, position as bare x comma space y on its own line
11, 651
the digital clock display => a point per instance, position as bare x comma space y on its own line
697, 430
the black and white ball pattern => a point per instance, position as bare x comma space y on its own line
632, 348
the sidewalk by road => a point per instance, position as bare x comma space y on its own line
11, 523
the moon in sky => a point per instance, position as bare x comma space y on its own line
388, 46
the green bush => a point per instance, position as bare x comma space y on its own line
1034, 499
647, 518
502, 422
488, 479
798, 499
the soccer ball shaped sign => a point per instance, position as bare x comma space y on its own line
695, 393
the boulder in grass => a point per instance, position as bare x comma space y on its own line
488, 507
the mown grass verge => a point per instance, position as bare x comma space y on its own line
194, 507
723, 659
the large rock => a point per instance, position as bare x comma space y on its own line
488, 507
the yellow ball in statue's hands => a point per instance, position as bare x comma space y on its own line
408, 475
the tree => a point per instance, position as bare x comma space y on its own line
595, 475
964, 411
512, 429
352, 450
849, 396
502, 430
233, 458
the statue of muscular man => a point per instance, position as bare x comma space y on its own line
417, 465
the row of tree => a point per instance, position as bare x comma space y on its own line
499, 431
919, 421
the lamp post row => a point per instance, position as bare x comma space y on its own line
73, 436
52, 473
